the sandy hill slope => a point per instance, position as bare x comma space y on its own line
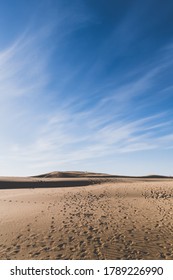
86, 174
72, 174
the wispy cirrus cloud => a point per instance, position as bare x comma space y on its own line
55, 114
71, 135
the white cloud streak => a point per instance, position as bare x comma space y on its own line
48, 139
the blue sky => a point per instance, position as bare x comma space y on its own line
86, 85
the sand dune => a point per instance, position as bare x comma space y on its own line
103, 218
72, 174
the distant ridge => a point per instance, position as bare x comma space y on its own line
72, 174
60, 179
156, 176
85, 174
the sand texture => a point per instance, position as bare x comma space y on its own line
113, 219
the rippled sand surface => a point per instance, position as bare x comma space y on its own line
124, 219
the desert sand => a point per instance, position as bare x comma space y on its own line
86, 216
